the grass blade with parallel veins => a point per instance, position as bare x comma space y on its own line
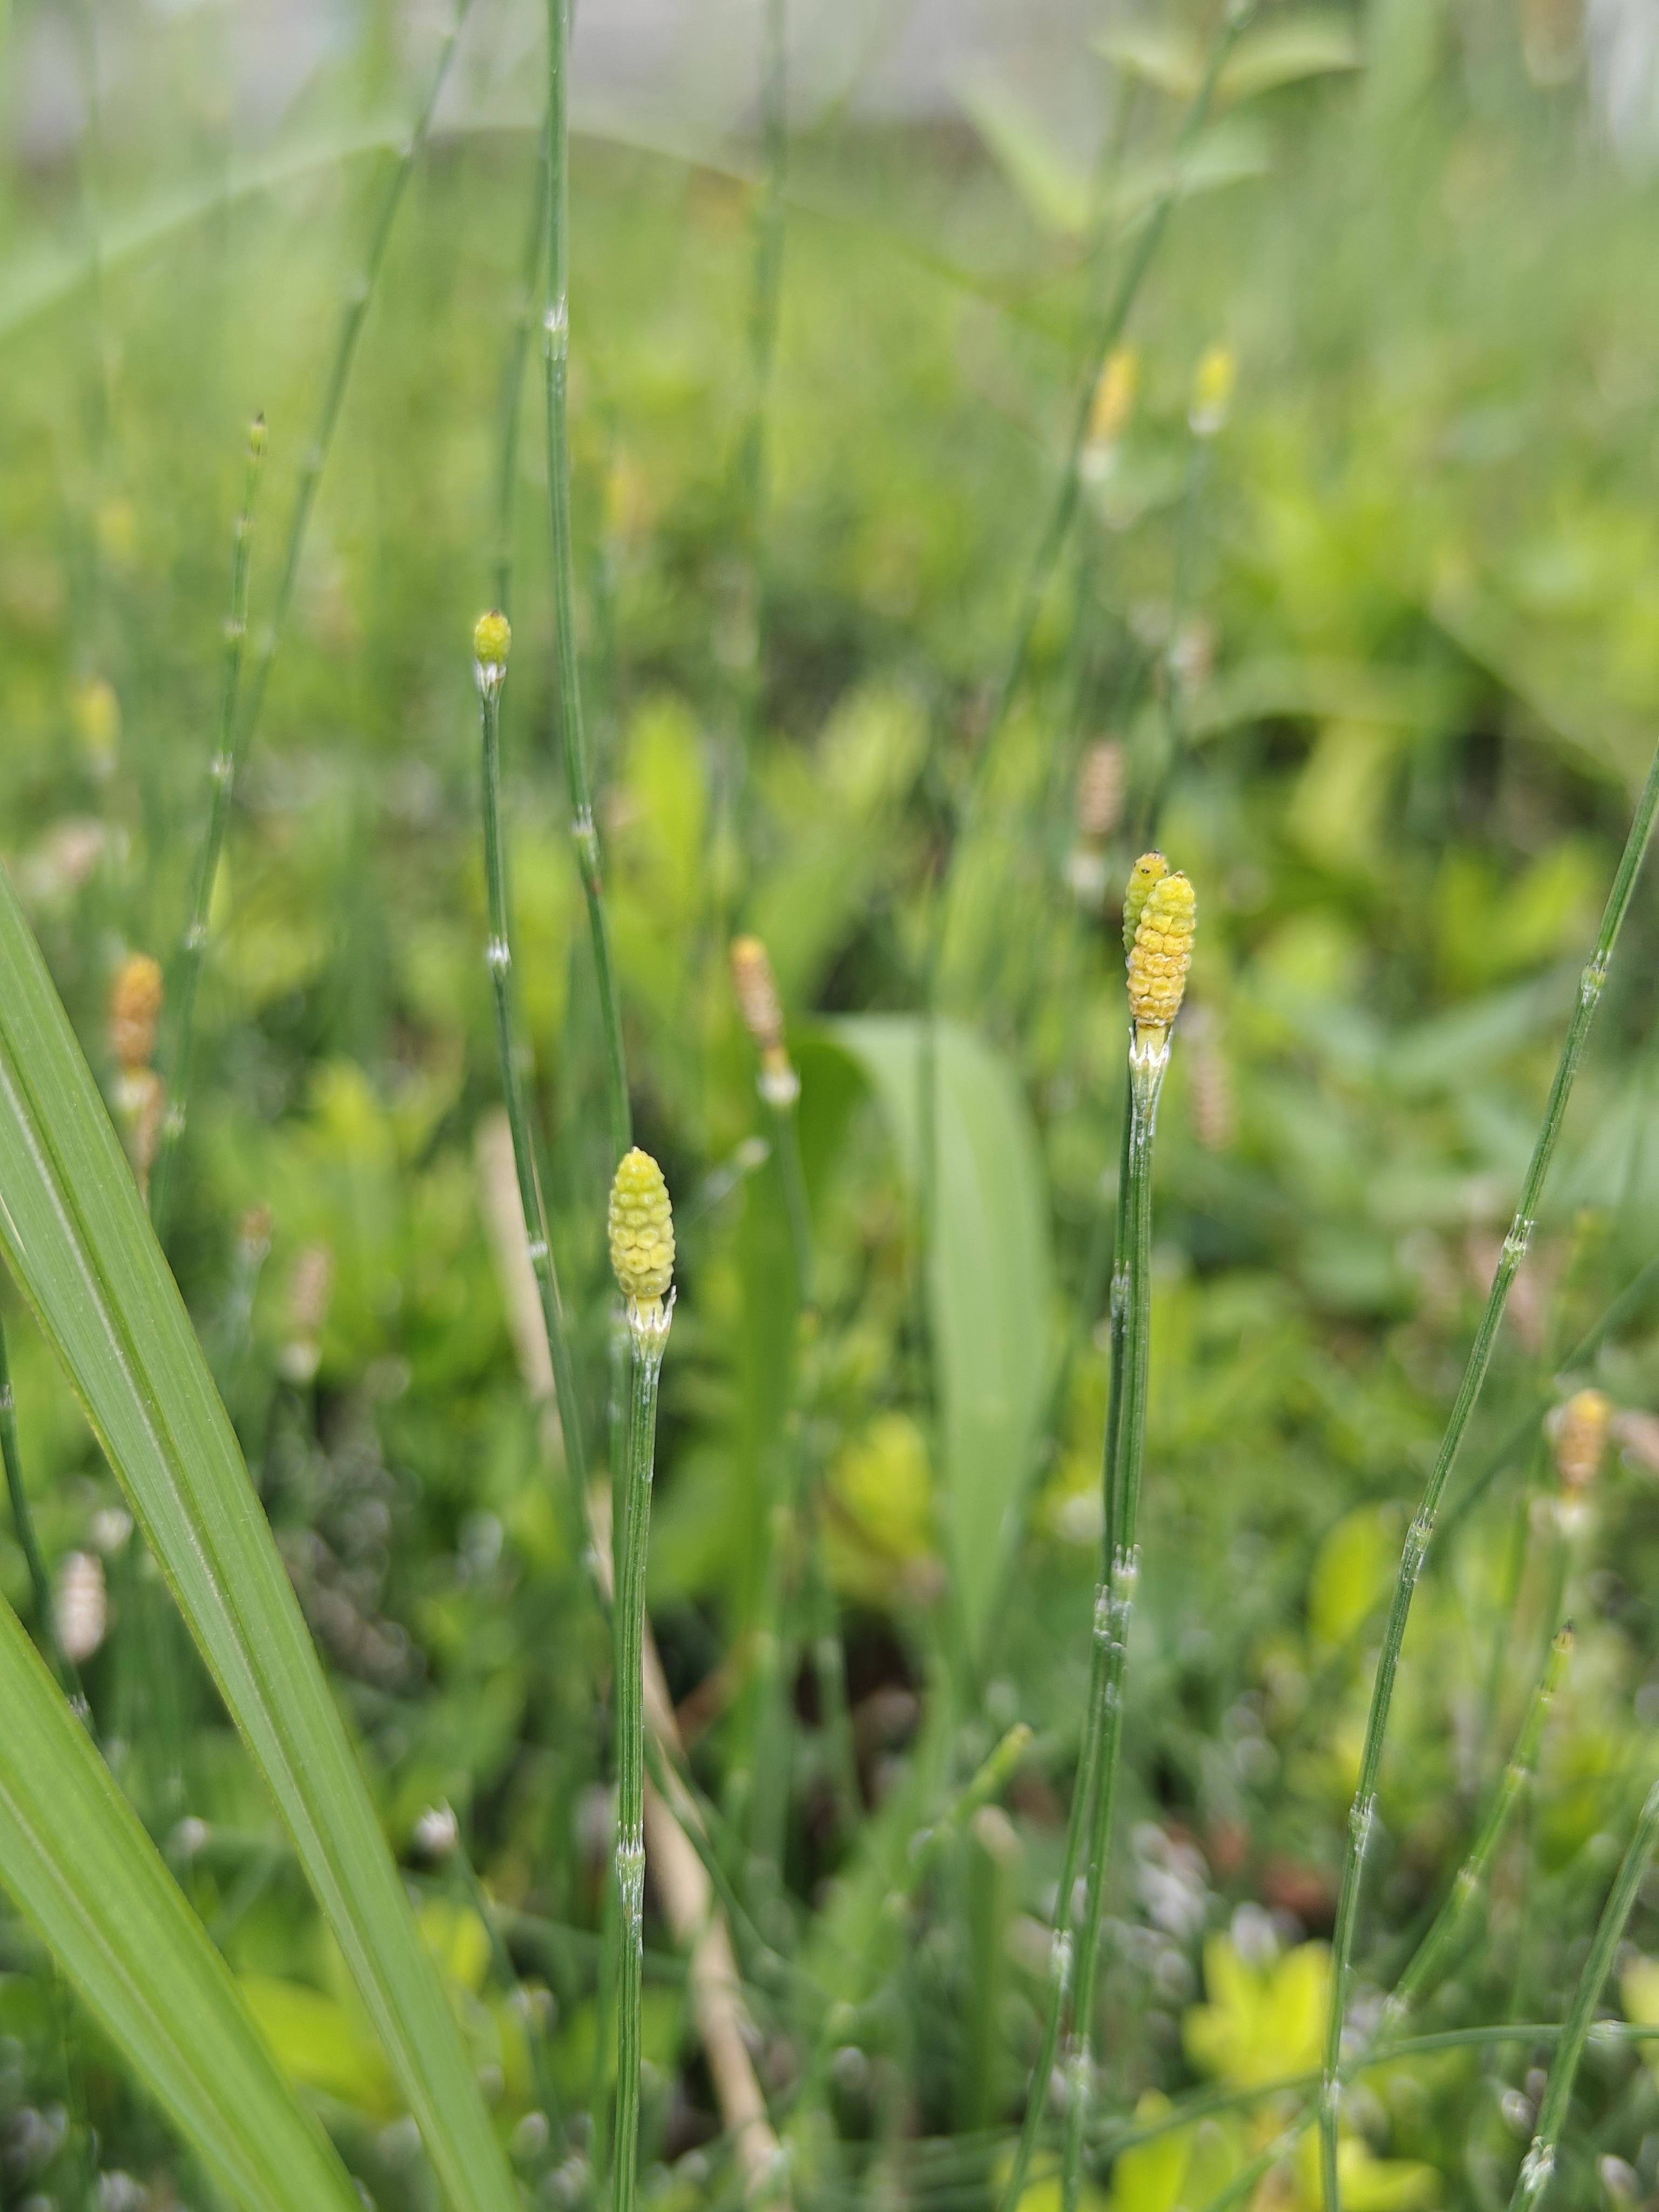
75, 1857
76, 1236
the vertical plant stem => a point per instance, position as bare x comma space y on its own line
557, 352
499, 958
512, 369
1086, 1792
345, 353
1148, 1064
1362, 1814
1539, 2164
23, 1519
646, 1368
187, 962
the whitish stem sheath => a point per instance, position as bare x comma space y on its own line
46, 1619
188, 967
556, 355
647, 1327
1539, 2164
1149, 1058
499, 958
1362, 1814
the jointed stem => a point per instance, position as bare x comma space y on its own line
236, 736
513, 369
1091, 1805
647, 1366
584, 835
187, 968
1147, 1065
499, 955
1539, 2162
45, 1619
1363, 1814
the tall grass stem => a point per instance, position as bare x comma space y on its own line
491, 678
1362, 1816
512, 370
1539, 2164
556, 356
187, 965
647, 1341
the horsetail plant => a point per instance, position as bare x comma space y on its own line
641, 1227
557, 358
1539, 2164
492, 642
1160, 916
222, 775
1362, 1814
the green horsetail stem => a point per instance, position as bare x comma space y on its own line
1363, 1814
641, 1227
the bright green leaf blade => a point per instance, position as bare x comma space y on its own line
81, 1867
990, 1278
76, 1235
1288, 50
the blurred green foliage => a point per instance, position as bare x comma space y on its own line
1395, 629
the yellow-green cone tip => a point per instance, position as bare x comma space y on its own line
1162, 952
1149, 869
641, 1228
492, 640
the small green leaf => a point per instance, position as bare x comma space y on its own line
990, 1278
82, 1869
76, 1236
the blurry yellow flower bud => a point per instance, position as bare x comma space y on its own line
1114, 396
256, 438
757, 992
95, 714
1162, 952
1212, 392
1581, 1430
135, 1009
492, 640
1149, 869
642, 1230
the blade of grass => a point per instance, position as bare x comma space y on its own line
84, 1873
75, 1235
23, 1519
1362, 1817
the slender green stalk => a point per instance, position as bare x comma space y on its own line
1148, 1061
513, 369
556, 354
647, 1335
1362, 1817
345, 351
1084, 1793
1517, 1775
22, 1521
187, 965
1538, 2163
490, 648
1063, 507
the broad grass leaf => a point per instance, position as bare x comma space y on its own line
75, 1857
990, 1278
76, 1236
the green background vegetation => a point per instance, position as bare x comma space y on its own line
1414, 588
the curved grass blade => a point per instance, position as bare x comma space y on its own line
77, 1860
74, 1233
